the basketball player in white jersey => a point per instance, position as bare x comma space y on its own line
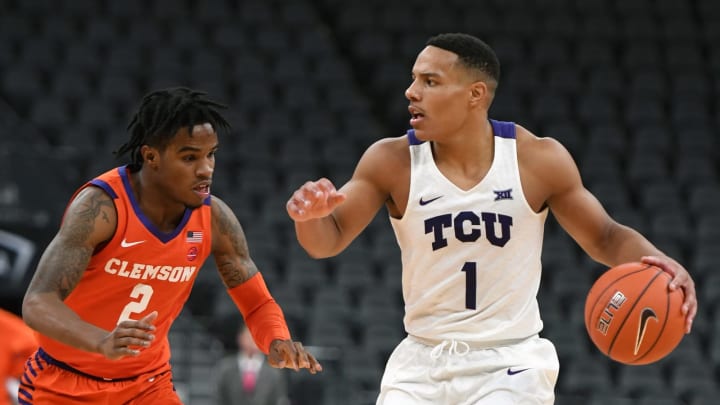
467, 197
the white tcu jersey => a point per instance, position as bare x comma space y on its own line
471, 259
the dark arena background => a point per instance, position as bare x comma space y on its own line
630, 87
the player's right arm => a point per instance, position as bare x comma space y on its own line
89, 221
328, 220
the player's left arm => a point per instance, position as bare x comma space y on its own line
580, 213
246, 287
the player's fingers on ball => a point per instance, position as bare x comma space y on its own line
665, 265
690, 304
688, 286
691, 317
689, 321
680, 276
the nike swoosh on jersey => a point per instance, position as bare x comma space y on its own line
426, 202
127, 244
645, 316
510, 371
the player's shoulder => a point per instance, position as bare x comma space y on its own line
91, 205
218, 205
94, 197
386, 155
530, 144
392, 142
544, 157
390, 146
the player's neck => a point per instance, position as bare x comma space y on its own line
466, 144
163, 212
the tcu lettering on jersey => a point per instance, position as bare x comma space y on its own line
466, 227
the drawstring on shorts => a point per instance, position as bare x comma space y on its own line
452, 348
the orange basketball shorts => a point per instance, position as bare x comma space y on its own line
49, 381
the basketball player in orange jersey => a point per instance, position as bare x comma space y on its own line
18, 343
120, 269
467, 198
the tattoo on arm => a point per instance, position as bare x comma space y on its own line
233, 256
67, 256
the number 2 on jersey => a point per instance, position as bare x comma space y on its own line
141, 291
470, 269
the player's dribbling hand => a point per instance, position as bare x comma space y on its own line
680, 279
128, 338
315, 199
289, 354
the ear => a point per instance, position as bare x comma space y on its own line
479, 93
150, 155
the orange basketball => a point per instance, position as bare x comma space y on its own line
632, 316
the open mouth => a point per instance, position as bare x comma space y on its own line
202, 190
416, 118
415, 115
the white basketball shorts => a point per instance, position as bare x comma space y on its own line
453, 373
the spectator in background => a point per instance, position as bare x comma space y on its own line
245, 378
18, 343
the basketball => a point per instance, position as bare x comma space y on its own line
631, 315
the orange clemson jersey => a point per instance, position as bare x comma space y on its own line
139, 271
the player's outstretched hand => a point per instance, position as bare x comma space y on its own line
128, 338
315, 199
680, 279
289, 354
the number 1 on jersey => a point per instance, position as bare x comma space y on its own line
470, 269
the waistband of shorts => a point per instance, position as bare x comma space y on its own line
474, 345
57, 363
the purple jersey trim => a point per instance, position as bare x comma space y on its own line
103, 185
503, 129
164, 237
412, 139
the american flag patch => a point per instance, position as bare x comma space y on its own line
194, 237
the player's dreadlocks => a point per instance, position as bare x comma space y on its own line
162, 113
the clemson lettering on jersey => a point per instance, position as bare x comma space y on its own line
142, 271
